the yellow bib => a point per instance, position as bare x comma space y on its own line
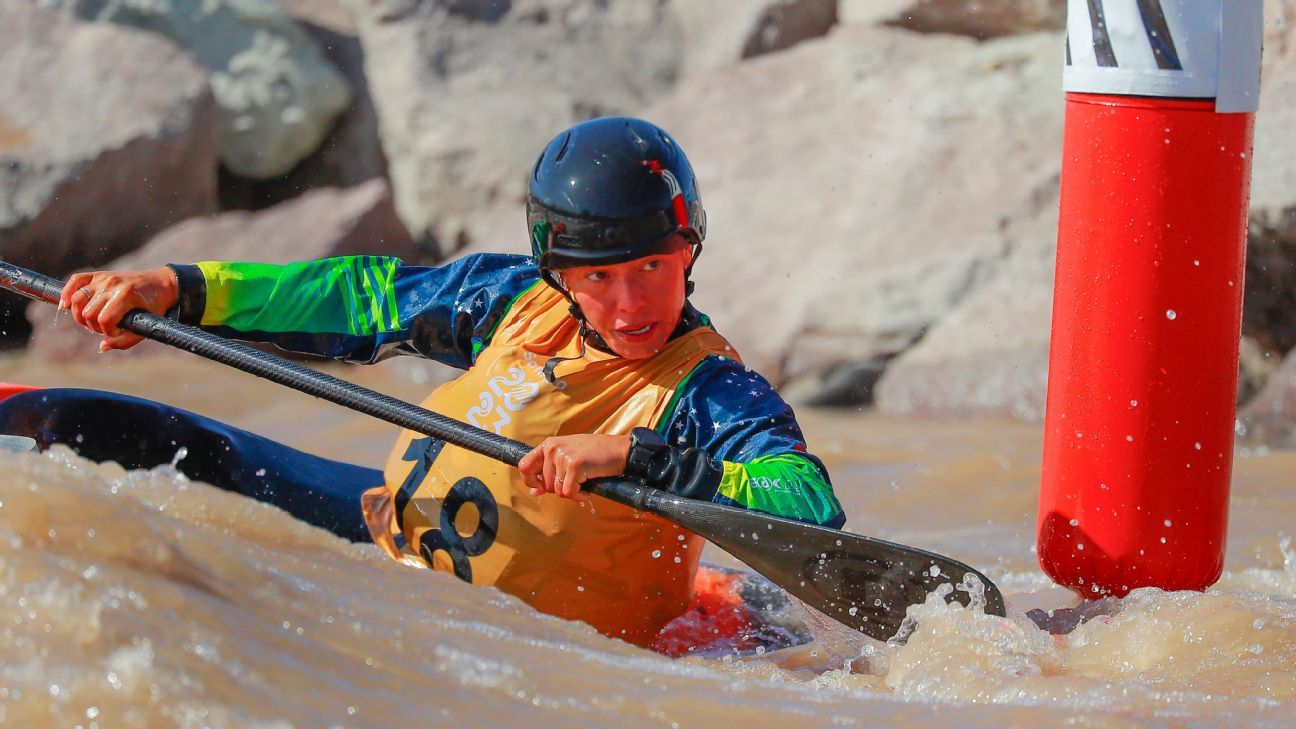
623, 572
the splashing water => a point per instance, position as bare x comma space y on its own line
144, 599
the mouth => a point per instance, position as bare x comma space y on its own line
638, 332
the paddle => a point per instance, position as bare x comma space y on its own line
866, 584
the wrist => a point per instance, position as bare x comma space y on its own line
191, 293
644, 448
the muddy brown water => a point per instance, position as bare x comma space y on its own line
144, 600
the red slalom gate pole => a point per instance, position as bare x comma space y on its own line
1138, 439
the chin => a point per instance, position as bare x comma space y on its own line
638, 351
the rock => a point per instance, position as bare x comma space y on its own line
989, 355
850, 384
982, 19
1256, 365
1270, 417
1273, 177
357, 221
1269, 306
468, 94
869, 12
107, 135
278, 96
329, 14
854, 209
351, 151
721, 32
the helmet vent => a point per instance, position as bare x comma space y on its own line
562, 151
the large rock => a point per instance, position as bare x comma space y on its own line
853, 209
278, 96
351, 151
870, 12
720, 32
981, 19
1270, 417
357, 221
107, 135
1269, 307
989, 355
468, 93
1273, 179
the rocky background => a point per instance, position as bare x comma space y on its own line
881, 176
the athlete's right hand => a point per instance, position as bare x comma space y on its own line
99, 299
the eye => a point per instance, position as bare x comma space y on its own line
652, 264
596, 276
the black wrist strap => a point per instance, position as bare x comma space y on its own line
645, 447
691, 473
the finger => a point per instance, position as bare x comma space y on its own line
572, 481
77, 305
110, 315
550, 474
123, 340
532, 468
90, 313
80, 298
564, 474
530, 464
536, 492
74, 284
573, 473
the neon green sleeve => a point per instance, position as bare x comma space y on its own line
786, 484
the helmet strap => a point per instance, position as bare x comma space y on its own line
688, 271
553, 362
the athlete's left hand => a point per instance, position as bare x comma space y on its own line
561, 464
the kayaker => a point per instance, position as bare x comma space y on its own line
588, 347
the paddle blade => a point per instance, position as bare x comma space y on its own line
864, 583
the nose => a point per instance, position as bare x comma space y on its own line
632, 294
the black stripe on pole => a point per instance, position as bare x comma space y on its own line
1158, 35
1101, 40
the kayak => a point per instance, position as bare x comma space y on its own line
732, 612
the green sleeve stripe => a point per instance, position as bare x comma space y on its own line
345, 295
356, 320
375, 313
787, 484
381, 294
390, 293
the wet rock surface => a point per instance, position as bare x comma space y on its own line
468, 93
107, 136
881, 177
277, 95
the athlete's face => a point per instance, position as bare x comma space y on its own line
634, 305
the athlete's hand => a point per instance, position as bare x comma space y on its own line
99, 299
561, 464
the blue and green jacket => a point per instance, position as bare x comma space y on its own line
365, 308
